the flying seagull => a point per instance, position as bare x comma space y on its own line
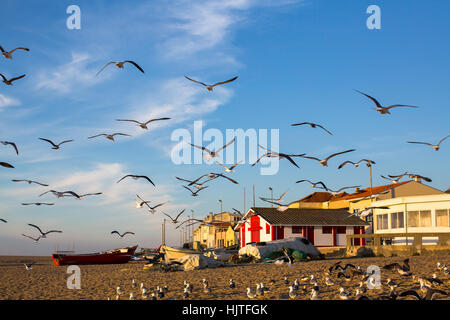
272, 154
212, 176
3, 220
312, 125
55, 146
5, 143
122, 235
314, 184
324, 162
6, 165
143, 125
384, 110
37, 204
34, 239
281, 207
196, 185
176, 218
369, 163
44, 234
211, 87
336, 192
410, 175
435, 147
279, 199
8, 54
10, 81
28, 266
195, 194
30, 182
120, 65
61, 194
109, 136
230, 169
208, 154
136, 178
393, 180
150, 208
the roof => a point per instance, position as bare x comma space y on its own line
368, 191
309, 217
448, 191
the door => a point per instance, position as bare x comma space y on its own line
357, 241
255, 229
310, 235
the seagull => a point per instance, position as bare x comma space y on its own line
213, 176
10, 81
132, 297
185, 293
315, 293
136, 178
3, 220
133, 283
279, 199
176, 218
211, 87
8, 54
62, 194
143, 125
196, 185
144, 293
152, 210
324, 162
314, 184
208, 154
250, 294
292, 293
141, 203
312, 125
404, 269
28, 266
120, 65
5, 143
435, 147
30, 182
384, 110
411, 176
38, 204
194, 194
369, 163
329, 282
295, 285
230, 169
55, 146
286, 281
109, 136
281, 207
122, 235
206, 288
395, 181
440, 266
6, 165
34, 239
44, 234
119, 291
336, 192
360, 296
343, 295
232, 285
272, 154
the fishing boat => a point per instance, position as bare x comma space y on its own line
175, 253
114, 256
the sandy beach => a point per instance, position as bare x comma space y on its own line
99, 282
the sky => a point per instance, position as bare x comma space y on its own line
297, 60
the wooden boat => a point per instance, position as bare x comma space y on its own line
114, 256
175, 253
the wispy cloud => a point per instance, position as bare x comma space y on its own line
6, 101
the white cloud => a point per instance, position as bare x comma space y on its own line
6, 101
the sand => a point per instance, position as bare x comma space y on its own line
46, 281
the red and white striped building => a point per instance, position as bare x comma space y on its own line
323, 227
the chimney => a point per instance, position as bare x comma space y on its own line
357, 190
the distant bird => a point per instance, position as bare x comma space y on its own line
397, 180
213, 176
44, 234
286, 281
194, 194
3, 220
123, 234
28, 266
37, 204
211, 87
5, 143
144, 294
196, 185
281, 207
176, 218
230, 169
119, 291
55, 146
185, 293
206, 288
59, 194
250, 294
30, 182
120, 65
404, 269
356, 164
272, 154
315, 293
313, 184
336, 192
10, 81
140, 203
411, 176
135, 177
6, 165
133, 283
435, 147
34, 239
380, 108
329, 282
324, 162
109, 136
8, 54
152, 210
312, 125
278, 199
208, 154
143, 125
231, 284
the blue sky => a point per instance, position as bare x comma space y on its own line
296, 60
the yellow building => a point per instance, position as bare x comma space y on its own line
215, 232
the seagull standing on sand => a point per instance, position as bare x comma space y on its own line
435, 147
232, 285
120, 65
143, 125
8, 54
343, 295
292, 293
384, 110
250, 294
324, 162
5, 143
312, 125
211, 87
55, 146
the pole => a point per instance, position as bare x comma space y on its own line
271, 196
371, 189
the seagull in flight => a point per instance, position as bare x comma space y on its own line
384, 110
120, 65
195, 194
281, 207
324, 162
121, 235
143, 125
34, 239
176, 218
38, 204
55, 146
208, 154
279, 199
230, 169
435, 147
28, 266
61, 194
212, 176
5, 143
369, 163
10, 81
336, 192
44, 234
312, 125
109, 136
150, 208
398, 178
196, 185
314, 184
8, 54
272, 154
211, 87
135, 177
30, 182
3, 220
412, 176
6, 165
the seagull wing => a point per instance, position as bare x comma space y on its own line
289, 158
181, 179
35, 226
19, 48
4, 79
17, 78
338, 153
49, 141
223, 147
1, 49
13, 145
158, 119
104, 67
128, 232
65, 141
400, 105
120, 134
223, 82
148, 179
281, 197
35, 239
443, 140
235, 165
429, 144
223, 176
195, 81
168, 216
324, 129
115, 231
135, 64
299, 124
53, 231
371, 98
6, 165
176, 218
201, 148
128, 120
98, 135
128, 175
344, 163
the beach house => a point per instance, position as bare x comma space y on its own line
215, 231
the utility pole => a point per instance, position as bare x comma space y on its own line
163, 233
271, 196
221, 206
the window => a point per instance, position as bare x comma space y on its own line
425, 218
442, 219
419, 218
413, 219
397, 220
382, 221
267, 228
296, 229
326, 230
341, 230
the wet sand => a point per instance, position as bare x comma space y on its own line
47, 282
